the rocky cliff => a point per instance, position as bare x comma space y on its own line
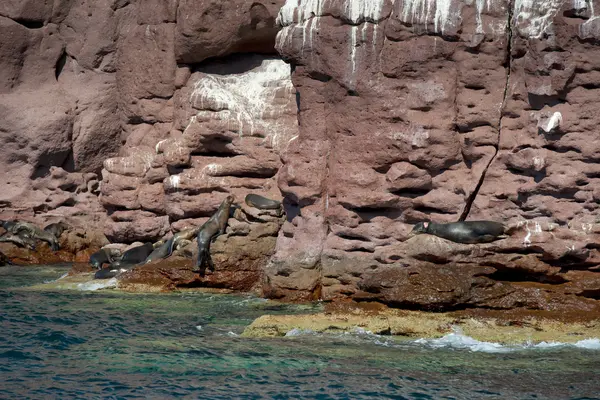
364, 116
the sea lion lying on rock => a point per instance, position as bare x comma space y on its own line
212, 228
19, 240
129, 259
56, 229
108, 273
133, 256
261, 202
462, 232
28, 229
166, 249
103, 256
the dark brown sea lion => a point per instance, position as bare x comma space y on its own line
262, 203
133, 256
101, 257
166, 249
212, 228
110, 272
19, 240
463, 232
56, 228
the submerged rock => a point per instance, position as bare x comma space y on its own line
497, 327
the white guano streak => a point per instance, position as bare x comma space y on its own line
533, 17
420, 12
243, 98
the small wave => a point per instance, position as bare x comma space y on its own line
593, 344
589, 344
460, 341
98, 284
299, 332
63, 276
457, 340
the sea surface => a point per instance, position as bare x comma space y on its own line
67, 344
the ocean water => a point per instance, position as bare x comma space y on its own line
65, 344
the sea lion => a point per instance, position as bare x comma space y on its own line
107, 273
28, 229
262, 203
7, 225
462, 232
212, 228
19, 240
133, 256
56, 229
166, 249
101, 257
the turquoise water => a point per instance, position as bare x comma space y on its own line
105, 344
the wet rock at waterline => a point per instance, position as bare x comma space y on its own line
239, 257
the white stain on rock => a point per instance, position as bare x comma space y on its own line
539, 163
421, 12
533, 18
251, 102
174, 181
551, 123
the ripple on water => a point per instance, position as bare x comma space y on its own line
103, 344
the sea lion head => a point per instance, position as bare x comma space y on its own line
420, 227
230, 198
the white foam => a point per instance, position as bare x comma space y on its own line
460, 341
98, 284
63, 276
457, 340
299, 332
592, 344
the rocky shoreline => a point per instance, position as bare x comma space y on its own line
507, 328
363, 118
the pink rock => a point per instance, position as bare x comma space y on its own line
251, 28
131, 226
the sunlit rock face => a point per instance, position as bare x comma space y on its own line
414, 110
129, 100
231, 121
137, 118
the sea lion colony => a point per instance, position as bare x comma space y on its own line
25, 234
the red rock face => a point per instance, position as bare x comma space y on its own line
137, 118
113, 89
437, 110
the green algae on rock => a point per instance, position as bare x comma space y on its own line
420, 324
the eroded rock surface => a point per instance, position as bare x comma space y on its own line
239, 257
415, 110
135, 119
